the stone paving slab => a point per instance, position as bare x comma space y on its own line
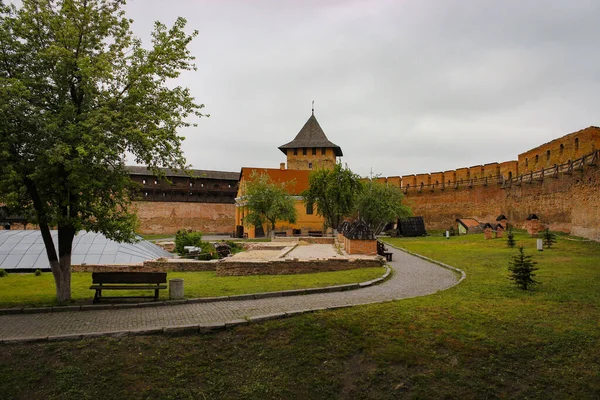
412, 276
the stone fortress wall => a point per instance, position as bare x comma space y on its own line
166, 217
558, 181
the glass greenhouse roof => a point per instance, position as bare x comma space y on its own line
24, 249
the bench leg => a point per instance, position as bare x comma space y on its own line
156, 295
97, 296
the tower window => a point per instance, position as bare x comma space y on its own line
309, 165
537, 158
314, 151
547, 154
576, 143
295, 152
304, 151
323, 151
562, 148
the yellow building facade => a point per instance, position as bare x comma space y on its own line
310, 150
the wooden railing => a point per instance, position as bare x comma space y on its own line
568, 168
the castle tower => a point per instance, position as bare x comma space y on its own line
311, 149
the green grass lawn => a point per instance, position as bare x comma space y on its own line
153, 237
482, 339
29, 290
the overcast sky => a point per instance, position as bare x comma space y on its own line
401, 86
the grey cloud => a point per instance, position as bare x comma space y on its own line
403, 87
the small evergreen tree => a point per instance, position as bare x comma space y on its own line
521, 269
548, 238
510, 238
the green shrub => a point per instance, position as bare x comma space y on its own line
2, 273
235, 246
185, 237
37, 272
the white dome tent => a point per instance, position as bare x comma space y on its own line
23, 250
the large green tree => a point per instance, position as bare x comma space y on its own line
379, 204
334, 192
267, 201
78, 91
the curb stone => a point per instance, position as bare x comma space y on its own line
295, 292
462, 273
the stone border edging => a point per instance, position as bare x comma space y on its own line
176, 330
462, 273
263, 295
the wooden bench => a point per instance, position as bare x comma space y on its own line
128, 281
383, 251
280, 234
315, 233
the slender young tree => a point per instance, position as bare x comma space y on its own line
510, 238
378, 204
548, 238
521, 268
267, 201
334, 192
78, 91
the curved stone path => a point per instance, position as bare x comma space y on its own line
411, 277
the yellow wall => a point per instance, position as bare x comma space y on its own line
304, 221
319, 160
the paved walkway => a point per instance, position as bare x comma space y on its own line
411, 277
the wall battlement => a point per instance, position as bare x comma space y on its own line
558, 156
491, 174
558, 181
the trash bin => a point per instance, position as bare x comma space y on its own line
176, 289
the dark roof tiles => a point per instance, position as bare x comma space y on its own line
194, 173
311, 135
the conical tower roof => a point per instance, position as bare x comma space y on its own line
311, 135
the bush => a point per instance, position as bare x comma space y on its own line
234, 246
2, 273
37, 272
185, 237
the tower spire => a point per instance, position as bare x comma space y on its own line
313, 107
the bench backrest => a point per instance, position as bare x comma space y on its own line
129, 277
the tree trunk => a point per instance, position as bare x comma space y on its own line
62, 274
60, 263
62, 278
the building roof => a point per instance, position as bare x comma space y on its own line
311, 135
468, 222
299, 176
193, 173
24, 250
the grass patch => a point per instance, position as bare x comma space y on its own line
32, 291
484, 338
157, 236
